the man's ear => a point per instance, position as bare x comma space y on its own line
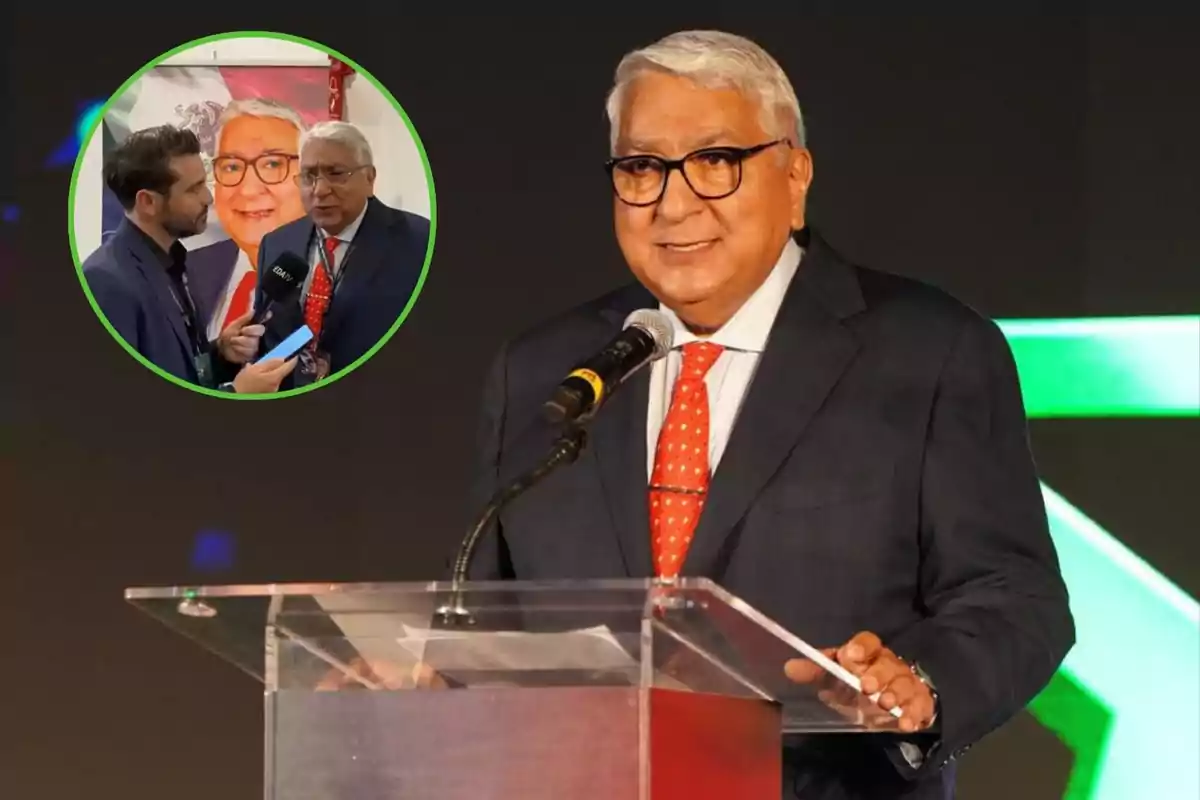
800, 175
147, 202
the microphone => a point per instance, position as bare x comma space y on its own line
279, 283
647, 336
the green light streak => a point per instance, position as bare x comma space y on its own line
84, 126
1138, 654
1108, 366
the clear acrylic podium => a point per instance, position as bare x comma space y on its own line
602, 690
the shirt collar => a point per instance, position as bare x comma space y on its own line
748, 329
174, 261
347, 234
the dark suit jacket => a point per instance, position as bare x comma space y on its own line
132, 288
209, 269
381, 274
878, 478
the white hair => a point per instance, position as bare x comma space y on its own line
343, 133
715, 59
257, 107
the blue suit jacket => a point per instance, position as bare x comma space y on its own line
133, 291
380, 275
209, 269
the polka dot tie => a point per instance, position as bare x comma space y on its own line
679, 481
320, 290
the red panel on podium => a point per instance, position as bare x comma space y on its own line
710, 747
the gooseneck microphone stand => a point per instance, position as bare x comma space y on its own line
567, 449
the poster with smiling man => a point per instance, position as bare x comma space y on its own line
249, 121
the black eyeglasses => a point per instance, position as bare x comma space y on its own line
271, 168
335, 176
712, 173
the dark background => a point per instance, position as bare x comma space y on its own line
1034, 166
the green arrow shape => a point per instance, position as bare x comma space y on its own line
1083, 723
1127, 698
1138, 655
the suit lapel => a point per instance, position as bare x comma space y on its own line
807, 353
153, 273
363, 261
618, 443
209, 270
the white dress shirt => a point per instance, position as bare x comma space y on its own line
744, 338
339, 254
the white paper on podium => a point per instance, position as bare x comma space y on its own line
595, 649
379, 633
401, 639
370, 624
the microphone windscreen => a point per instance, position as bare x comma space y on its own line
657, 325
284, 277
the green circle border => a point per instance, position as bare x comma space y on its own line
99, 121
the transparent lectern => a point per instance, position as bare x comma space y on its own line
605, 690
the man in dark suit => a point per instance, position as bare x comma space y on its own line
366, 258
842, 448
139, 276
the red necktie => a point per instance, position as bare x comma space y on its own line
239, 301
679, 481
320, 291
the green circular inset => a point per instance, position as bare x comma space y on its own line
98, 121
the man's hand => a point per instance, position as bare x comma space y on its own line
881, 671
238, 343
263, 377
380, 676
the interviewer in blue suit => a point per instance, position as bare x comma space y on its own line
365, 257
139, 276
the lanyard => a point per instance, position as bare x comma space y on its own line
187, 309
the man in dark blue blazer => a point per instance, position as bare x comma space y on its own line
139, 276
842, 448
365, 257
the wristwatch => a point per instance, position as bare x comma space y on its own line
227, 386
924, 678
